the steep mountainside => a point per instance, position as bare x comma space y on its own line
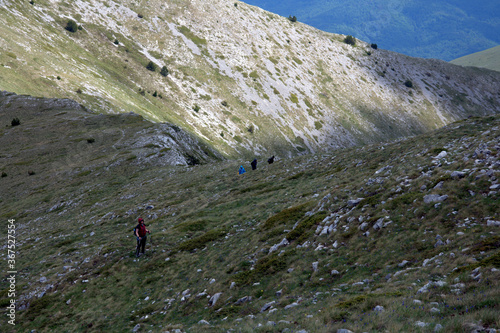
489, 58
439, 29
250, 82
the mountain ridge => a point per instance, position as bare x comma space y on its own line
484, 59
254, 86
429, 29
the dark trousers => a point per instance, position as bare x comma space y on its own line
142, 244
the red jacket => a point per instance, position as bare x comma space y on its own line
141, 230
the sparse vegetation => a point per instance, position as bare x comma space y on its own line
151, 66
164, 71
71, 26
409, 84
292, 18
15, 122
350, 40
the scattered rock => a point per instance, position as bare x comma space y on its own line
379, 308
343, 330
438, 328
491, 223
267, 306
315, 266
431, 198
457, 174
403, 263
363, 226
441, 155
275, 247
439, 185
289, 306
378, 225
354, 202
203, 322
214, 299
439, 243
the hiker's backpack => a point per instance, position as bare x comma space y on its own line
134, 232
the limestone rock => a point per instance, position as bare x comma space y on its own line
431, 198
214, 299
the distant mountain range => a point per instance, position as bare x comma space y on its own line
489, 58
430, 29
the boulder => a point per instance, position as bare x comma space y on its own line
213, 299
354, 202
431, 198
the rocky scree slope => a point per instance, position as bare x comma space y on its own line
399, 237
249, 81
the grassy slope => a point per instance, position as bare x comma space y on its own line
212, 227
428, 29
486, 59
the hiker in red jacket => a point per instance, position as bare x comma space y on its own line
140, 232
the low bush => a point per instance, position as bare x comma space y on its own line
350, 40
15, 122
151, 66
409, 84
71, 26
164, 71
292, 18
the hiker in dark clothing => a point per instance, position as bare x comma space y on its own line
140, 232
254, 164
270, 160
